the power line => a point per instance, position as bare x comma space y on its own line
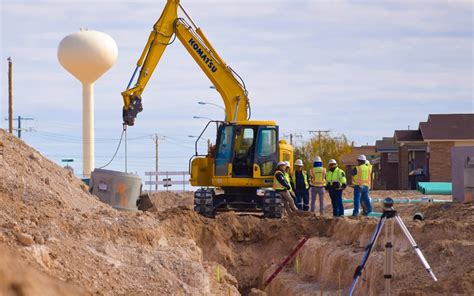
291, 136
19, 129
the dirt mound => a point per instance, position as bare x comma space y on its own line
165, 200
48, 217
31, 281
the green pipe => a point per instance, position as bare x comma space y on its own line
404, 200
436, 188
348, 212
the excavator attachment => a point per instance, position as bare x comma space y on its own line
145, 204
129, 115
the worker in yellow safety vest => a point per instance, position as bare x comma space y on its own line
282, 186
301, 186
318, 182
371, 182
361, 178
336, 182
288, 174
288, 179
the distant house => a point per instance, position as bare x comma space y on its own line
441, 132
425, 154
412, 158
349, 160
387, 179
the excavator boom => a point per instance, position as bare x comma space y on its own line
165, 30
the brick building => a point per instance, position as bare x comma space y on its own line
426, 152
411, 157
387, 179
441, 132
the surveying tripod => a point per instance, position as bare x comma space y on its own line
389, 216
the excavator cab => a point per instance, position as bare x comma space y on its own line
246, 151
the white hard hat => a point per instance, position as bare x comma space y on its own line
332, 161
299, 162
361, 157
287, 163
281, 163
317, 159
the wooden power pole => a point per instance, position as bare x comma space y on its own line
157, 140
10, 97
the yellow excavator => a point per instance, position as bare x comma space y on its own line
242, 162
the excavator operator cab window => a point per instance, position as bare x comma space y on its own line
244, 146
267, 150
244, 151
224, 150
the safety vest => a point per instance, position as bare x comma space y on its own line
305, 177
371, 174
288, 179
363, 175
276, 183
318, 177
337, 175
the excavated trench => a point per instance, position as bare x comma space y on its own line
250, 248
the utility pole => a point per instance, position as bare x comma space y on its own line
291, 136
19, 129
10, 97
157, 140
319, 132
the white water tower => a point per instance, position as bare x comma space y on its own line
87, 55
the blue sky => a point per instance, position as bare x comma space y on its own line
362, 68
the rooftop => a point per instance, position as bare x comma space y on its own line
387, 144
448, 127
408, 136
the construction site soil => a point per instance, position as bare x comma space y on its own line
57, 239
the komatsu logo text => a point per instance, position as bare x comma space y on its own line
203, 56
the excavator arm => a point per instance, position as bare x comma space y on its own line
165, 30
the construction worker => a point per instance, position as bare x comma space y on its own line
361, 180
288, 173
288, 179
318, 181
335, 183
301, 186
281, 185
362, 203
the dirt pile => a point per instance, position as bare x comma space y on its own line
32, 281
53, 223
166, 200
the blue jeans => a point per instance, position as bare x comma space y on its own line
302, 200
336, 201
361, 192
